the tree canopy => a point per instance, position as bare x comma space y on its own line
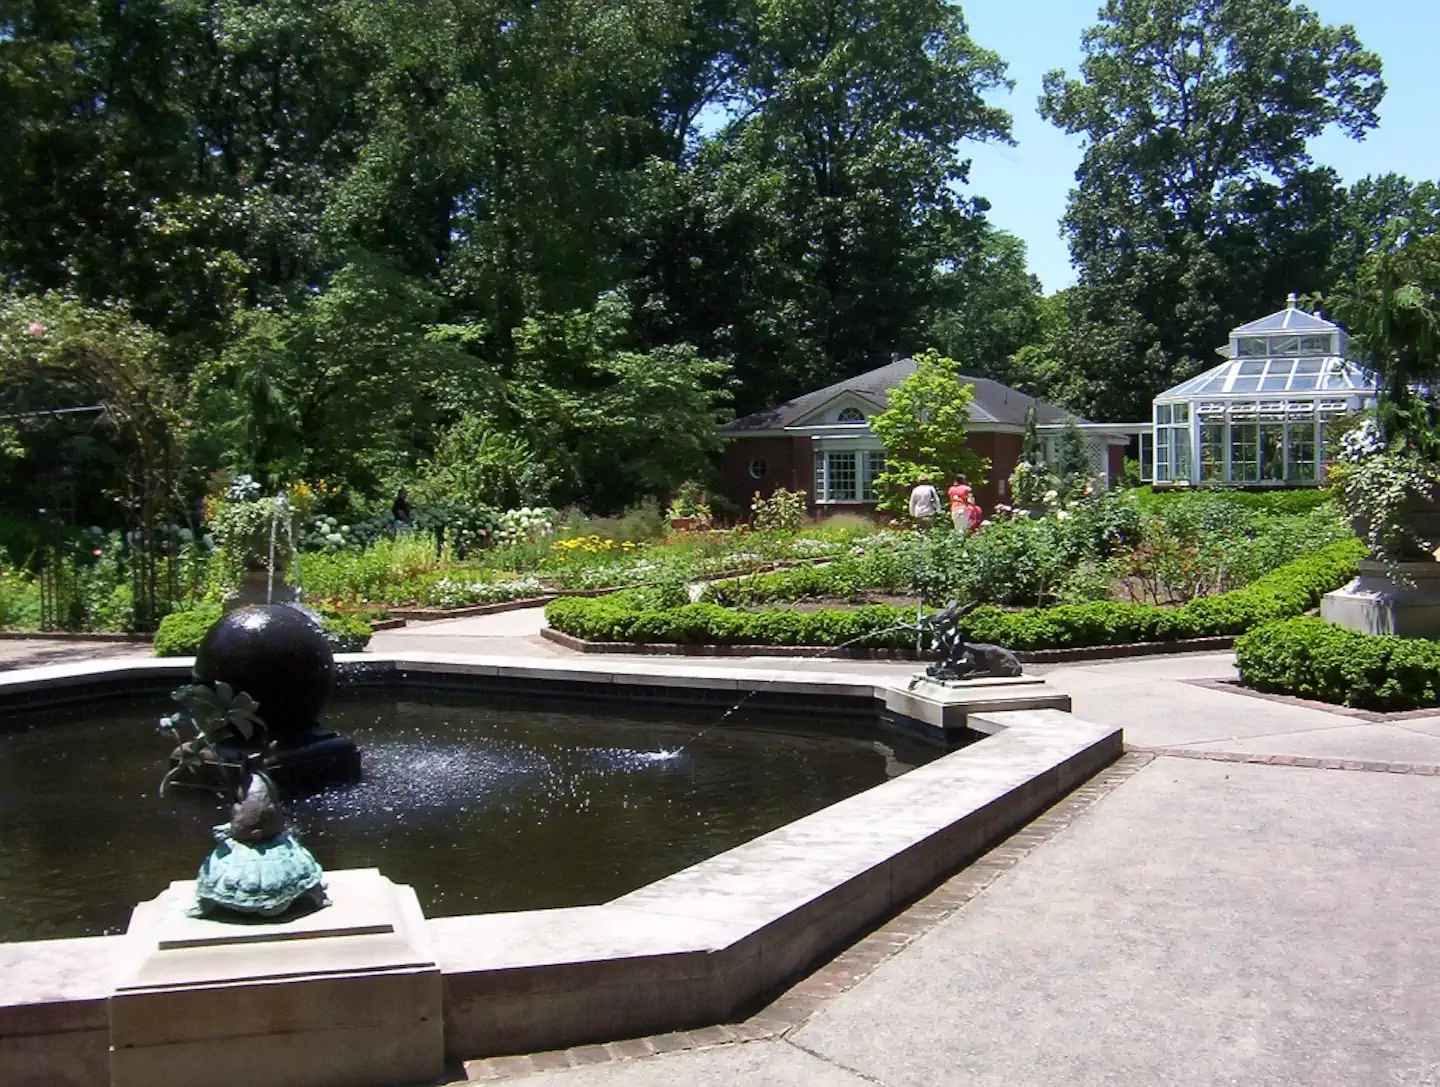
1196, 194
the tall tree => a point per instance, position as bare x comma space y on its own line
827, 205
1196, 195
988, 306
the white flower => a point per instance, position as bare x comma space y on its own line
1051, 496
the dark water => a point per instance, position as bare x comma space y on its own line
481, 808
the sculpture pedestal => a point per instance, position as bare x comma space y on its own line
940, 710
256, 587
346, 996
1377, 603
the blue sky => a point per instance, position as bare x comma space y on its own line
1027, 184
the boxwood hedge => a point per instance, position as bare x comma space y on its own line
1286, 592
1311, 658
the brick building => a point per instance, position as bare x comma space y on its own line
821, 443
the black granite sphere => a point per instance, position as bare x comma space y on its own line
279, 657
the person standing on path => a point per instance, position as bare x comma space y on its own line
924, 503
401, 512
960, 499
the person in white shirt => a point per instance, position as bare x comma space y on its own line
924, 503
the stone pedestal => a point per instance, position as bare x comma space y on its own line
346, 996
1376, 602
941, 710
256, 588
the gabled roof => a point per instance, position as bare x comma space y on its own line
993, 403
1289, 319
1299, 378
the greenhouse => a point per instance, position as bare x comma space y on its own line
1259, 417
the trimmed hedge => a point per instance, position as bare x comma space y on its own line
181, 632
1263, 501
1283, 593
1315, 659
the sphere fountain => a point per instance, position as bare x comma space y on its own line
279, 657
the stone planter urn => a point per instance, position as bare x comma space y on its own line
1400, 598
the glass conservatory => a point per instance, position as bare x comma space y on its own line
1259, 417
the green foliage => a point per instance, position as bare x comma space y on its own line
783, 511
1379, 491
1286, 592
1392, 310
1295, 502
346, 633
1072, 461
181, 632
924, 429
690, 503
19, 599
1311, 658
1195, 195
478, 466
988, 306
242, 533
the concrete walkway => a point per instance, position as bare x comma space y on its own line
1204, 924
1208, 922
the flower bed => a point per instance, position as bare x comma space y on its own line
1311, 658
1286, 592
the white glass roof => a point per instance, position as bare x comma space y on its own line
1275, 376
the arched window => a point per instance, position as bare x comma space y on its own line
850, 415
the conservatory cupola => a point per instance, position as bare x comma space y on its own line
1259, 417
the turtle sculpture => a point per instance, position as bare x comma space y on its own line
257, 868
960, 659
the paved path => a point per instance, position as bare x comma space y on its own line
32, 653
1209, 922
1206, 923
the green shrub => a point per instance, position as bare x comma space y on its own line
1289, 591
19, 599
1311, 658
1277, 502
181, 632
783, 511
346, 633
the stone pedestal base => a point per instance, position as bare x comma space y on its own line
1377, 603
347, 996
941, 710
253, 588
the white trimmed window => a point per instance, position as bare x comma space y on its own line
847, 475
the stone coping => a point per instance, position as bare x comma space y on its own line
697, 947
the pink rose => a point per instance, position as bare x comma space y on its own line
35, 328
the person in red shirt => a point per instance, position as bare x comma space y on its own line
960, 496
